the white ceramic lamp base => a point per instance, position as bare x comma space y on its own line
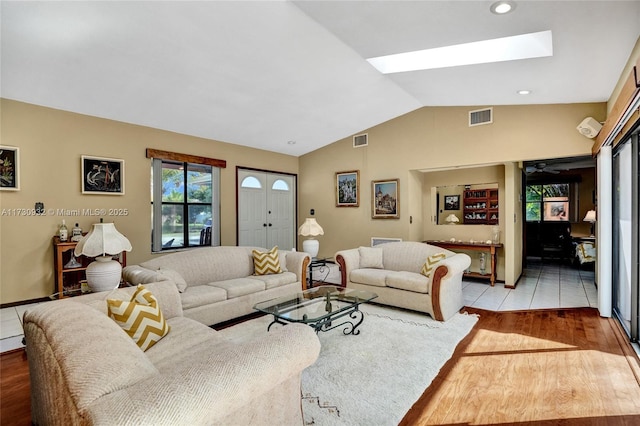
311, 247
103, 274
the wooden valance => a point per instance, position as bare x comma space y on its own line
185, 158
629, 91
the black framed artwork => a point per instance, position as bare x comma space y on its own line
452, 202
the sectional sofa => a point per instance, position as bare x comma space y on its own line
85, 370
217, 284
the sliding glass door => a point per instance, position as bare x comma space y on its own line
625, 235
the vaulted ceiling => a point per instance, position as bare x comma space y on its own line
265, 73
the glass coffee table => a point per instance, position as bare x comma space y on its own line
323, 308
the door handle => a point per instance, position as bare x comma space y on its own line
270, 225
264, 224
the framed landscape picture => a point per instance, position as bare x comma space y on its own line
348, 189
104, 176
385, 199
9, 168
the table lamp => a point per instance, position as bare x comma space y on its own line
103, 242
310, 228
590, 217
452, 219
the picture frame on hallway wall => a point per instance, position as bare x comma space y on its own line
385, 199
9, 168
348, 189
101, 175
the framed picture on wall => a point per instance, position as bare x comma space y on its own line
348, 189
9, 168
385, 199
104, 176
452, 202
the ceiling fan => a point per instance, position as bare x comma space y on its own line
541, 167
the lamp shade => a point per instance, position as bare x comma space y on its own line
452, 219
310, 228
590, 216
102, 239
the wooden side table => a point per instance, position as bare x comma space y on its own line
492, 249
62, 252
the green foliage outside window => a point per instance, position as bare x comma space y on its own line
536, 196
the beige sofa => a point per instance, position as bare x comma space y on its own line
392, 271
217, 283
85, 370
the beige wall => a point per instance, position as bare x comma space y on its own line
51, 143
438, 138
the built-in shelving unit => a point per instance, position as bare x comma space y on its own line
481, 206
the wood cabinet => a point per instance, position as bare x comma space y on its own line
68, 278
480, 206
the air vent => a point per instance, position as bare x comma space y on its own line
480, 116
360, 140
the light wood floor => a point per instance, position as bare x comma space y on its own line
542, 368
545, 367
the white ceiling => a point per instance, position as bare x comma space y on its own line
263, 73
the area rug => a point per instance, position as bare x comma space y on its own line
375, 377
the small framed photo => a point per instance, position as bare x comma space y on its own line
348, 189
382, 240
9, 168
452, 202
103, 176
385, 199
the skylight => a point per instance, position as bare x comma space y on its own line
525, 46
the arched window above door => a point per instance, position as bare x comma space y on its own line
251, 182
280, 185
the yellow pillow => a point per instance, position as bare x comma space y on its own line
141, 317
266, 262
431, 263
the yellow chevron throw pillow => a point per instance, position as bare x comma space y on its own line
266, 262
141, 317
431, 263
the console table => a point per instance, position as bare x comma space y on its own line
492, 249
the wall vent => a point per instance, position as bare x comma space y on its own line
360, 140
480, 116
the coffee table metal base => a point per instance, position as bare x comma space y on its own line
328, 323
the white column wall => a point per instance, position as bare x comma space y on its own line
604, 232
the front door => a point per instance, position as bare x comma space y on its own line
266, 209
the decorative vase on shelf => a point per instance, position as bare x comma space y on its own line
495, 234
483, 264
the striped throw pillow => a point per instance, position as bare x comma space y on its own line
431, 263
141, 317
266, 262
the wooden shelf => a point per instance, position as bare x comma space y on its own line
492, 249
68, 279
480, 206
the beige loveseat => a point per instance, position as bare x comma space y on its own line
217, 284
392, 271
85, 370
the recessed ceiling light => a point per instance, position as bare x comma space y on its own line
524, 92
291, 142
502, 7
524, 46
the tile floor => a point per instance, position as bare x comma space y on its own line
541, 286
